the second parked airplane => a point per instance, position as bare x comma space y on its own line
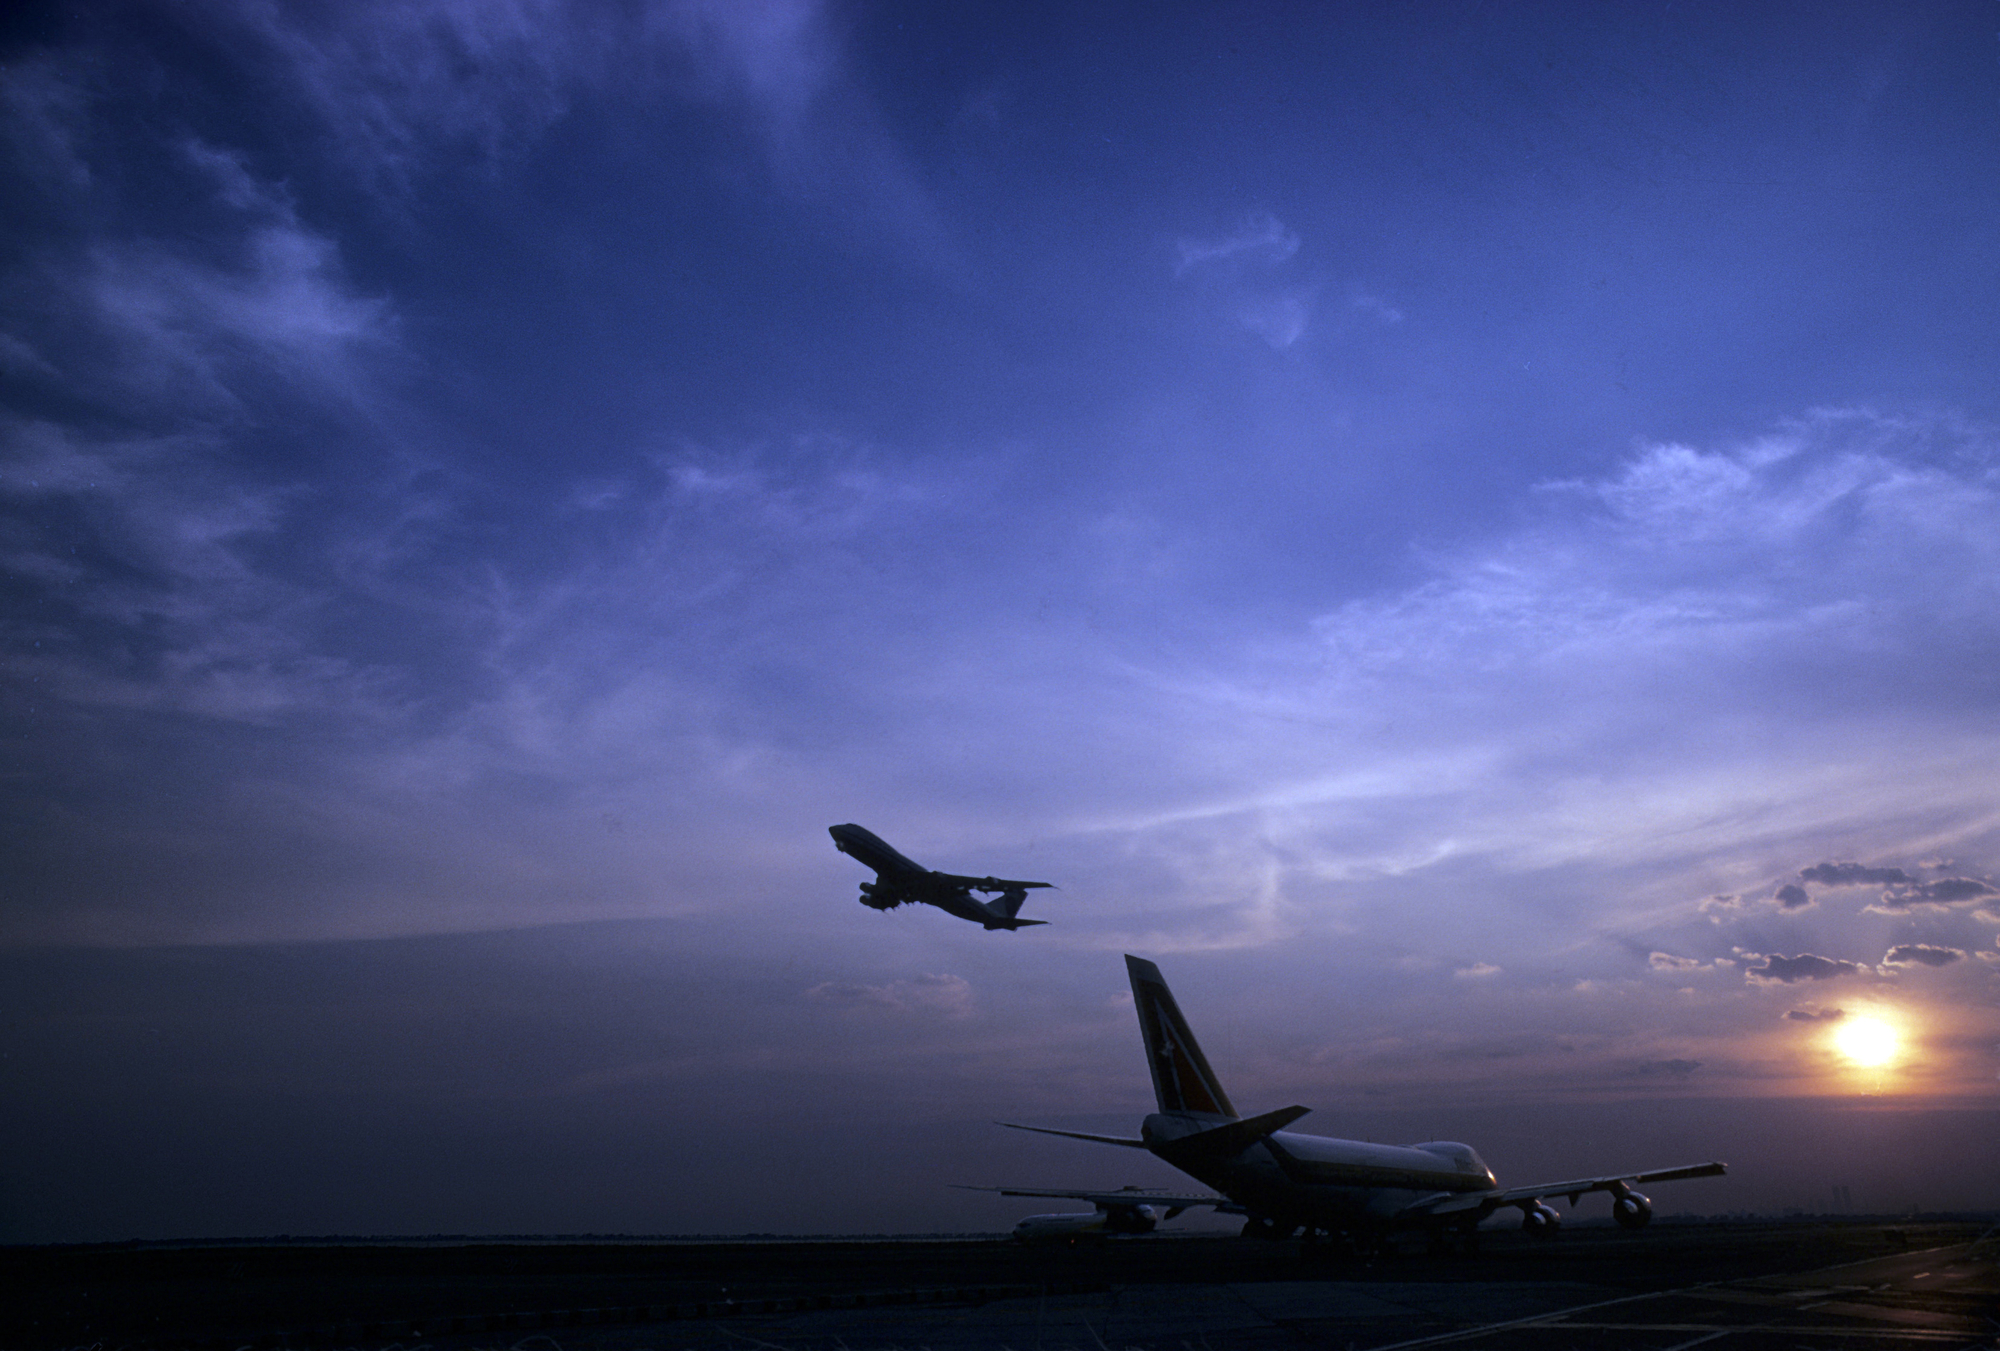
1313, 1184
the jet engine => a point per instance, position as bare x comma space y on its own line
1541, 1221
878, 898
1631, 1210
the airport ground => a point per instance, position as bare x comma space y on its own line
1849, 1285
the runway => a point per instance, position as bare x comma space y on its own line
1737, 1286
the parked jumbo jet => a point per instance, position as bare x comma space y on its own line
1129, 1210
1314, 1185
898, 881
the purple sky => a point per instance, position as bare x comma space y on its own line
1470, 536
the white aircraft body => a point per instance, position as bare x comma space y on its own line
1288, 1183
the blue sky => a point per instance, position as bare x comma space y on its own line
1445, 526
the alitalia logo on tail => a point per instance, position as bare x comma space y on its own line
1182, 1080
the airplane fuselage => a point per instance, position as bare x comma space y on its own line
1319, 1180
871, 851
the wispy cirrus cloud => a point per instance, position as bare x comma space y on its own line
1262, 240
945, 996
400, 87
209, 347
1238, 269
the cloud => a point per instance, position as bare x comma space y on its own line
934, 995
1278, 315
43, 110
179, 366
1792, 897
1806, 966
1263, 240
404, 87
408, 92
1668, 1069
1279, 320
1935, 895
1666, 961
1718, 907
824, 141
1692, 591
1477, 971
1920, 954
1377, 308
1853, 875
1815, 1015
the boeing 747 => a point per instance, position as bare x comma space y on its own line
1316, 1186
898, 881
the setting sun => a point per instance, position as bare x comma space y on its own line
1868, 1042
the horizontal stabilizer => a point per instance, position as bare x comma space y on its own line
1230, 1139
1076, 1135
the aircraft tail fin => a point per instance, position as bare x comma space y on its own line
1182, 1080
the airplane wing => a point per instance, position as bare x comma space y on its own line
1452, 1203
988, 883
1077, 1135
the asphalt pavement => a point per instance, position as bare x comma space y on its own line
1742, 1286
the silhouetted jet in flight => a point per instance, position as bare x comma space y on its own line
898, 881
1287, 1183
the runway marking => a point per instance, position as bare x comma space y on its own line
1697, 1341
1462, 1334
1709, 1290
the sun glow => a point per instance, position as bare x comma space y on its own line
1867, 1042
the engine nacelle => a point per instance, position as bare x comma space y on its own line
1631, 1210
878, 898
1540, 1221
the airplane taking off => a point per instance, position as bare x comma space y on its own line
1317, 1186
898, 881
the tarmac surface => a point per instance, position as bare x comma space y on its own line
1737, 1286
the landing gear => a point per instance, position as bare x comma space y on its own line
1271, 1231
1344, 1245
1459, 1240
